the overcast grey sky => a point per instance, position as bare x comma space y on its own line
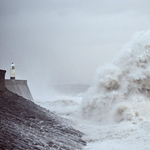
64, 41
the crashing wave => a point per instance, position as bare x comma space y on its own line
122, 89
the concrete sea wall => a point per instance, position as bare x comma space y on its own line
19, 87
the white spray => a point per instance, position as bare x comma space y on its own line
122, 89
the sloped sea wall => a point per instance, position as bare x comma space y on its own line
19, 87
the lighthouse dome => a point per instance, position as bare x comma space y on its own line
12, 64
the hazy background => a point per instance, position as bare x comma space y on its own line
64, 41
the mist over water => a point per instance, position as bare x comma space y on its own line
121, 90
114, 112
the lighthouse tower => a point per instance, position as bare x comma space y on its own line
12, 71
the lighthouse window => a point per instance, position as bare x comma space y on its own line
13, 67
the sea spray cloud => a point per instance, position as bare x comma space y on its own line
122, 89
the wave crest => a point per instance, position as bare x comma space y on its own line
119, 86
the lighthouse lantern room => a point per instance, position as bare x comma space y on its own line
12, 71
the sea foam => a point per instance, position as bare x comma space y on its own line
121, 91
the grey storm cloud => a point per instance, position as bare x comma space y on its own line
64, 41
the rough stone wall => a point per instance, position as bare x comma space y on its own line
2, 80
27, 126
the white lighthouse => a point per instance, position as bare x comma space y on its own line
12, 71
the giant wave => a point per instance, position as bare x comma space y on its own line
122, 89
